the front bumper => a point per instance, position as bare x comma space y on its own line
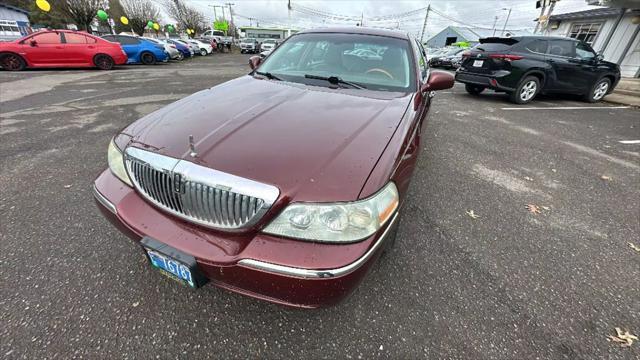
279, 270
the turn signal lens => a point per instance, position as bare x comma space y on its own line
116, 163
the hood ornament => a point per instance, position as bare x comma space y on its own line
192, 147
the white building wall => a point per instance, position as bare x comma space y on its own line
8, 14
631, 63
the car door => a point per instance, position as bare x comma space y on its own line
565, 74
78, 48
586, 66
44, 48
131, 47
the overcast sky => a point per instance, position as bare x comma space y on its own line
274, 13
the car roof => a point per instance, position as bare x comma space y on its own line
359, 30
534, 37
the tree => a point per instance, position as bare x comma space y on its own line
139, 12
80, 12
186, 16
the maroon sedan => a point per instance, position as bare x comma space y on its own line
60, 48
284, 184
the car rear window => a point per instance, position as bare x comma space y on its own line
71, 38
495, 44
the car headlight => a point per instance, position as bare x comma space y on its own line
336, 222
116, 163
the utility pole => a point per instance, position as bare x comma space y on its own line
546, 26
424, 26
543, 7
495, 21
506, 21
231, 16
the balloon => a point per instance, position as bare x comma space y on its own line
156, 27
170, 28
102, 15
124, 20
43, 5
149, 23
188, 31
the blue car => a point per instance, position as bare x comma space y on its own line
139, 50
184, 49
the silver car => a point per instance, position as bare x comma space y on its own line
171, 49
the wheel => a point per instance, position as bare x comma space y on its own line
526, 90
203, 52
598, 91
147, 58
241, 51
180, 56
103, 62
12, 62
473, 89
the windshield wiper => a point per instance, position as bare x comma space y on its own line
268, 75
334, 80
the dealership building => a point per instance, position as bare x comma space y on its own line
261, 33
14, 22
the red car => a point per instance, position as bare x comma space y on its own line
296, 185
60, 48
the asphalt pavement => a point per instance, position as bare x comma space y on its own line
474, 273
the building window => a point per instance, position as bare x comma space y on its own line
585, 32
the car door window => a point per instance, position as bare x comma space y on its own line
562, 48
47, 38
421, 59
585, 52
71, 38
537, 46
127, 40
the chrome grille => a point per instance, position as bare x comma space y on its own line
196, 193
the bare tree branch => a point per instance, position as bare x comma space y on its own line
139, 12
81, 12
186, 16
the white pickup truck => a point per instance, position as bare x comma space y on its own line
218, 36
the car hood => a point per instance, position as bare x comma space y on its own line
313, 143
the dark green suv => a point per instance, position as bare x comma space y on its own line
525, 66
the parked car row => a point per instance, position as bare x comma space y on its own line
68, 48
253, 46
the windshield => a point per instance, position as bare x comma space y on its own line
375, 62
248, 40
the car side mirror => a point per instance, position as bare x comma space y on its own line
600, 57
254, 62
438, 80
33, 43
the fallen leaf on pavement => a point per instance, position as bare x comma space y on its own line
554, 170
605, 177
67, 186
135, 304
534, 209
634, 247
546, 207
624, 338
528, 178
472, 214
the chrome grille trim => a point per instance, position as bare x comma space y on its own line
196, 193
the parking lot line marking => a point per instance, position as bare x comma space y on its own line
565, 108
629, 141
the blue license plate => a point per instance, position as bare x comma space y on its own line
168, 265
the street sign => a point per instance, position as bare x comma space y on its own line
221, 25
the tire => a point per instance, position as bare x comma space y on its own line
203, 52
180, 56
12, 62
598, 90
103, 62
241, 51
474, 89
147, 58
526, 91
